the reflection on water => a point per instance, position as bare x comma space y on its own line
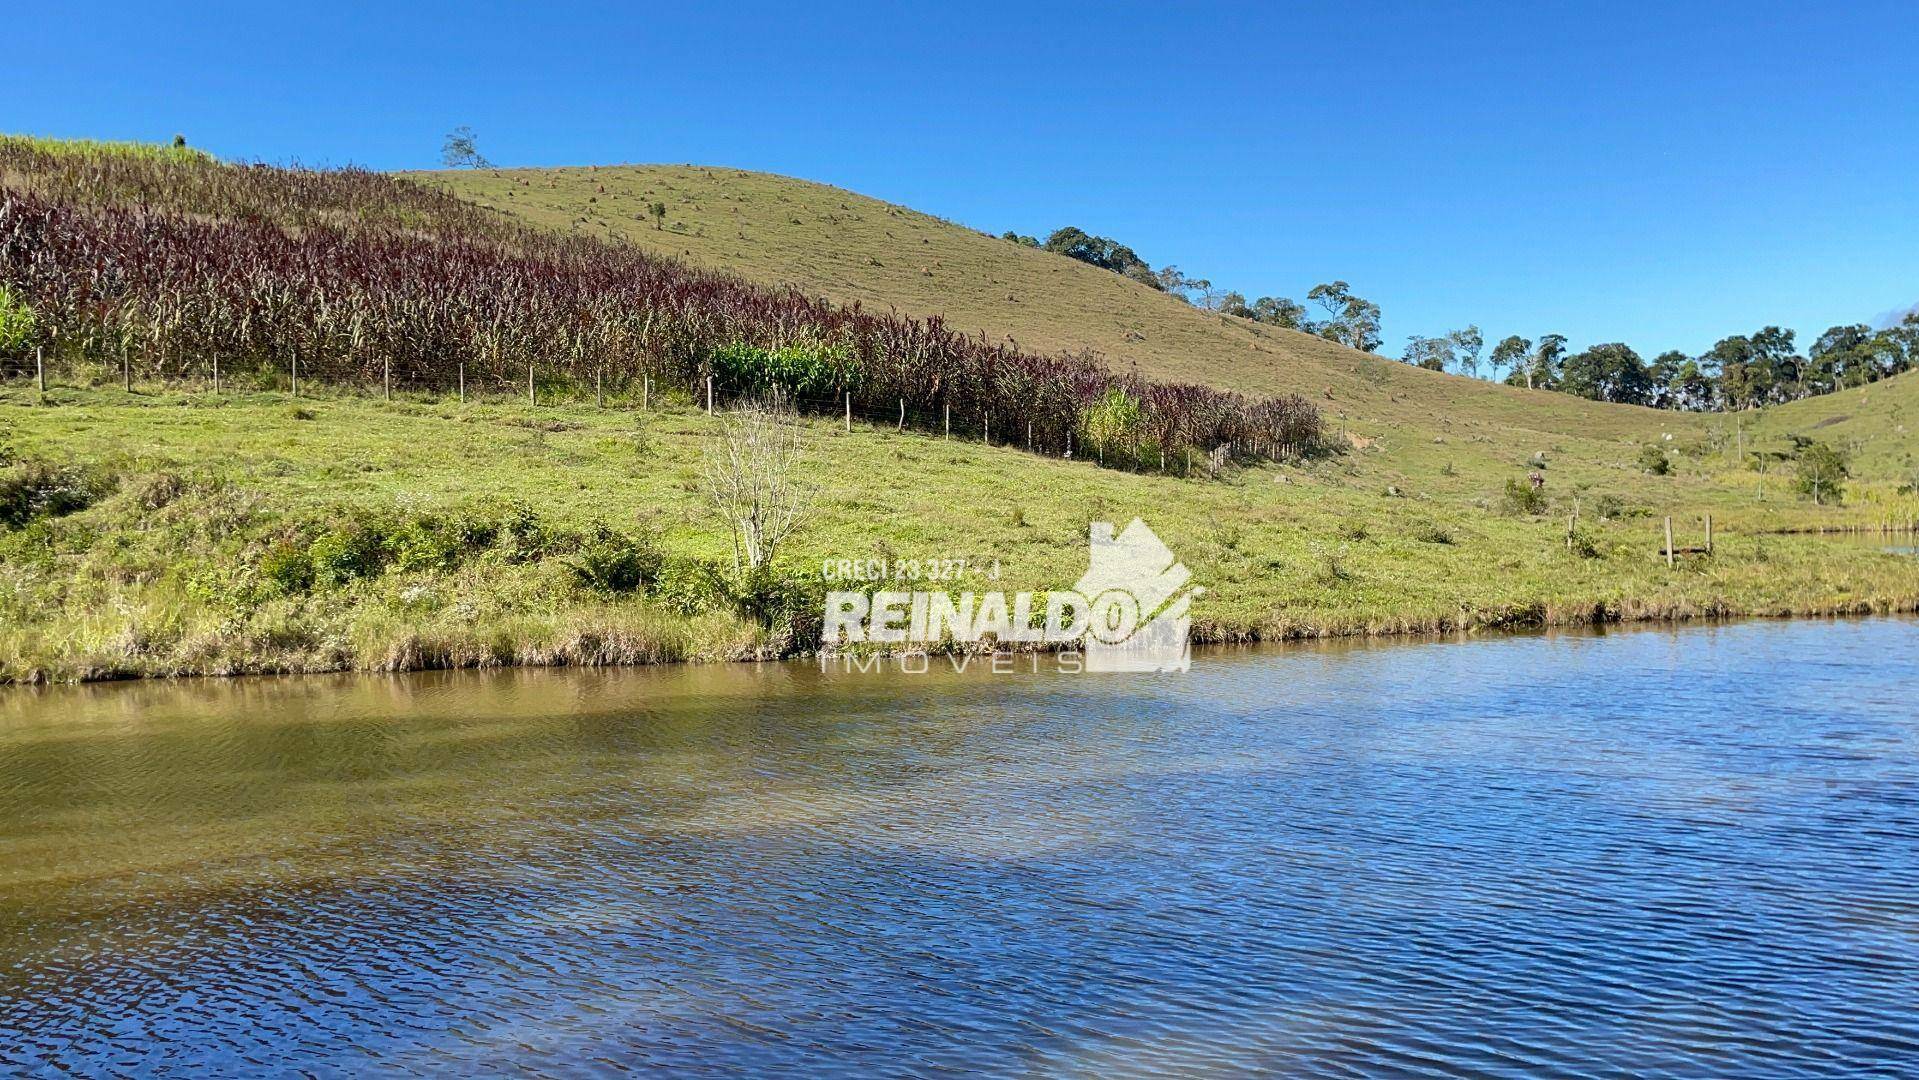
1643, 851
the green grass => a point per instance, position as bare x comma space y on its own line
167, 572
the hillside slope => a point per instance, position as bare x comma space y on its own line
1877, 425
850, 247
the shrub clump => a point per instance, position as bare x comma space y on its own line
30, 490
613, 562
692, 586
18, 327
1521, 497
1581, 543
806, 369
1653, 460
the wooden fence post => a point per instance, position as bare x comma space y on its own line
1709, 534
599, 386
949, 419
849, 412
295, 368
646, 390
462, 382
709, 395
530, 399
40, 367
902, 414
216, 374
1669, 540
386, 378
126, 368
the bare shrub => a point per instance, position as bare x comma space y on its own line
752, 479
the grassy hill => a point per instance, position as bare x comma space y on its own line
849, 247
1877, 425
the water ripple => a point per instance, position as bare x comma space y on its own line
1600, 855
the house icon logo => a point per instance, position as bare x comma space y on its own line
1138, 600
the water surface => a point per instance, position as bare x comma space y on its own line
1684, 852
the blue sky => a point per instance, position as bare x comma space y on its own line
1663, 178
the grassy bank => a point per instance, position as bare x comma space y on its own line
171, 532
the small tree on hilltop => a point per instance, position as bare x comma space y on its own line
1466, 345
1431, 353
1511, 352
460, 152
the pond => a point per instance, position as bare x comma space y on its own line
1637, 851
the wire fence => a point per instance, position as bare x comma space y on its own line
620, 389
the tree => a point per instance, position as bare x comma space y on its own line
1896, 348
1141, 273
1540, 368
1775, 366
1362, 325
1280, 311
1661, 373
1170, 280
1333, 296
751, 479
1353, 321
1730, 362
1611, 372
1466, 345
1431, 353
1233, 303
1023, 241
1209, 298
459, 151
1843, 356
658, 212
1099, 251
1681, 383
1821, 473
1511, 352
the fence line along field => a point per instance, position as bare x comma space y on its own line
183, 267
